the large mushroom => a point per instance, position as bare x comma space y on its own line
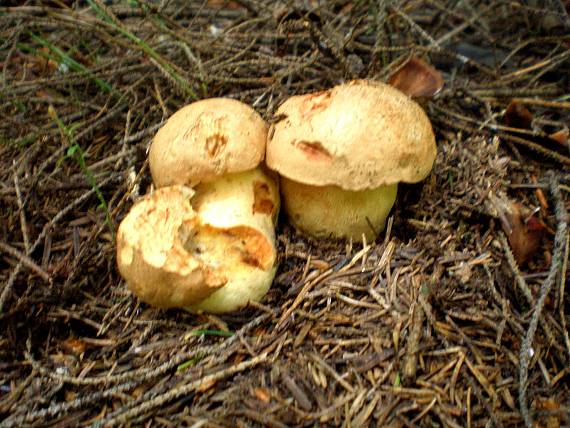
341, 154
209, 151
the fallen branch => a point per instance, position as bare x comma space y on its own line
555, 266
122, 416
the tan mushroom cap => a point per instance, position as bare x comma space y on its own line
206, 139
357, 136
151, 253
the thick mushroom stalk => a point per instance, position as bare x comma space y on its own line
174, 255
241, 203
330, 211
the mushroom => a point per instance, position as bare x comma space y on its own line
208, 141
341, 152
153, 253
213, 146
210, 258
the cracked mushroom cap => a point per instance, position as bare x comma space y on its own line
206, 139
171, 256
152, 255
357, 136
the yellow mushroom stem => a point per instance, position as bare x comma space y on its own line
247, 205
330, 211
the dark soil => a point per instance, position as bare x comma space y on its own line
456, 317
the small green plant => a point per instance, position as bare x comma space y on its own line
76, 153
190, 363
57, 55
398, 380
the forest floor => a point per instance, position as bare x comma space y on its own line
457, 316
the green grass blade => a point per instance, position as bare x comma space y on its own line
76, 153
62, 58
180, 81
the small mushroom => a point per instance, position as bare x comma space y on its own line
211, 257
212, 140
341, 153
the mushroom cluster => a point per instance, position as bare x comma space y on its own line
205, 238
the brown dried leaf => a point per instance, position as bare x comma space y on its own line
74, 346
416, 78
518, 116
549, 405
139, 391
561, 137
525, 234
262, 395
70, 395
208, 384
225, 5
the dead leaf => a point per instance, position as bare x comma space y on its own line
74, 346
549, 405
524, 232
262, 395
416, 78
225, 4
204, 386
518, 116
139, 391
561, 137
70, 395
